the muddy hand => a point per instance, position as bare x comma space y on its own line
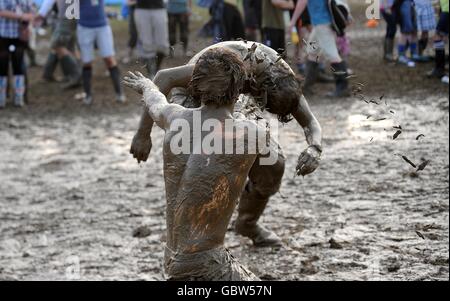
141, 147
308, 161
137, 82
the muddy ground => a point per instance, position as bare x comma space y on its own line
71, 196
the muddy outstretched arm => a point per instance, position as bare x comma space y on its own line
166, 80
156, 105
310, 158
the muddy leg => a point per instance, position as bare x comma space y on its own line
264, 181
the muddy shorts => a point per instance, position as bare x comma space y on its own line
212, 265
64, 34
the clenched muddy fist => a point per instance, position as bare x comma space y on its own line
141, 147
309, 160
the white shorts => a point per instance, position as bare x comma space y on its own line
322, 41
89, 37
153, 32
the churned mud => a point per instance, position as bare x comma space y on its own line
75, 205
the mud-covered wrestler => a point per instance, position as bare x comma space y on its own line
201, 200
270, 85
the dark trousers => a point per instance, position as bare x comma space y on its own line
391, 24
275, 39
179, 22
132, 31
233, 23
252, 14
12, 50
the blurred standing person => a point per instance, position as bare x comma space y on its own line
273, 24
233, 21
132, 31
404, 9
322, 41
179, 12
15, 18
343, 41
63, 39
94, 30
31, 49
390, 18
426, 22
252, 16
216, 9
299, 31
152, 27
439, 43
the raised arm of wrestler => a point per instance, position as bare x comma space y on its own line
157, 108
165, 80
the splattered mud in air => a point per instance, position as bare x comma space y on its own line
75, 205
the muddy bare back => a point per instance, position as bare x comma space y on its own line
202, 192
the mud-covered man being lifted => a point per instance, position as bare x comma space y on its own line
201, 200
270, 85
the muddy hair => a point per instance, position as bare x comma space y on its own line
284, 91
218, 77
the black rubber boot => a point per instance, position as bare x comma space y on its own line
114, 72
71, 71
389, 50
251, 207
340, 77
423, 43
439, 68
151, 66
159, 60
31, 53
87, 78
50, 67
323, 76
311, 74
3, 88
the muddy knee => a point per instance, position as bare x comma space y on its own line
266, 180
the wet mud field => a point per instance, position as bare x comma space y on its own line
75, 205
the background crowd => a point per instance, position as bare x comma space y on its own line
156, 26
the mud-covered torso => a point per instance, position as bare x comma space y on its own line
202, 191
